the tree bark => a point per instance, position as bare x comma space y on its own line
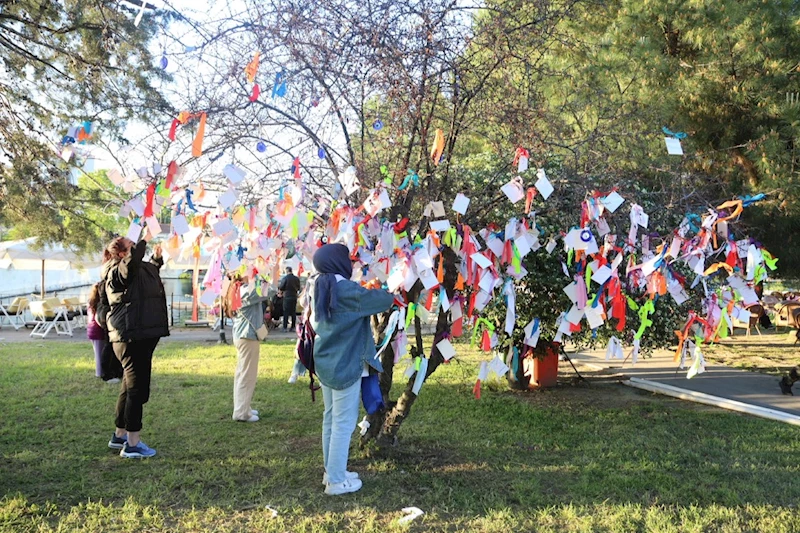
385, 425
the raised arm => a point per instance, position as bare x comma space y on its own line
374, 301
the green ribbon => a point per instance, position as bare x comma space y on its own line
516, 260
410, 314
450, 237
478, 323
644, 310
387, 179
770, 260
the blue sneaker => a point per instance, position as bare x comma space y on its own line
116, 443
140, 451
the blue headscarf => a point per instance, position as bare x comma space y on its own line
329, 260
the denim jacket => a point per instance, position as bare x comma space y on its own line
344, 343
251, 310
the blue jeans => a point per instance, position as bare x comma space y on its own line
298, 369
338, 423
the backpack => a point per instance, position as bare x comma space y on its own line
305, 350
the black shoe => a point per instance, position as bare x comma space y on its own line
786, 387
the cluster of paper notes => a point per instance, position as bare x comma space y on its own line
222, 233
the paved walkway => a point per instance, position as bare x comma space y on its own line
751, 388
177, 334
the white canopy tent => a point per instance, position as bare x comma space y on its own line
23, 255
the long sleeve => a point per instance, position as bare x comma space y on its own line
374, 301
130, 265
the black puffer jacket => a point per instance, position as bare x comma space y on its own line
136, 296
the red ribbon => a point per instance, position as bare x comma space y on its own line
256, 92
148, 208
173, 129
172, 169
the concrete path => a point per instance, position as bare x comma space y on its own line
750, 388
177, 334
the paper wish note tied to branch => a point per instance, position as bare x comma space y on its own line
673, 146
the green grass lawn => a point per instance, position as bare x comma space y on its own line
598, 458
772, 352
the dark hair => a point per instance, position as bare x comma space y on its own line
114, 248
288, 269
94, 296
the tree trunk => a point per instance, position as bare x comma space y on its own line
385, 424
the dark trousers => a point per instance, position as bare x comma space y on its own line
289, 307
136, 358
110, 365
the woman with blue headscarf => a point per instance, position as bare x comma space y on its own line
343, 352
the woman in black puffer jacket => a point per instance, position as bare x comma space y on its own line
137, 319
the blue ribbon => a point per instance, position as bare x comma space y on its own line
279, 89
747, 201
676, 134
189, 203
411, 177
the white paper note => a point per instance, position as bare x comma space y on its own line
481, 260
440, 225
180, 225
543, 185
460, 204
513, 190
227, 199
153, 226
234, 174
134, 231
612, 201
445, 348
673, 146
601, 275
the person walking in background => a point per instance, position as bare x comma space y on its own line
343, 350
136, 321
289, 286
244, 305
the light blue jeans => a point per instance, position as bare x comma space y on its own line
298, 369
338, 423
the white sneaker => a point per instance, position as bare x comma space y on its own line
346, 486
113, 381
347, 475
254, 412
293, 378
253, 418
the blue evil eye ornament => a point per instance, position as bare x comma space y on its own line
321, 152
377, 125
586, 235
261, 146
164, 62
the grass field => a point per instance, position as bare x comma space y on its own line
597, 458
772, 352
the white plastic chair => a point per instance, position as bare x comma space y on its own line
14, 312
49, 314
